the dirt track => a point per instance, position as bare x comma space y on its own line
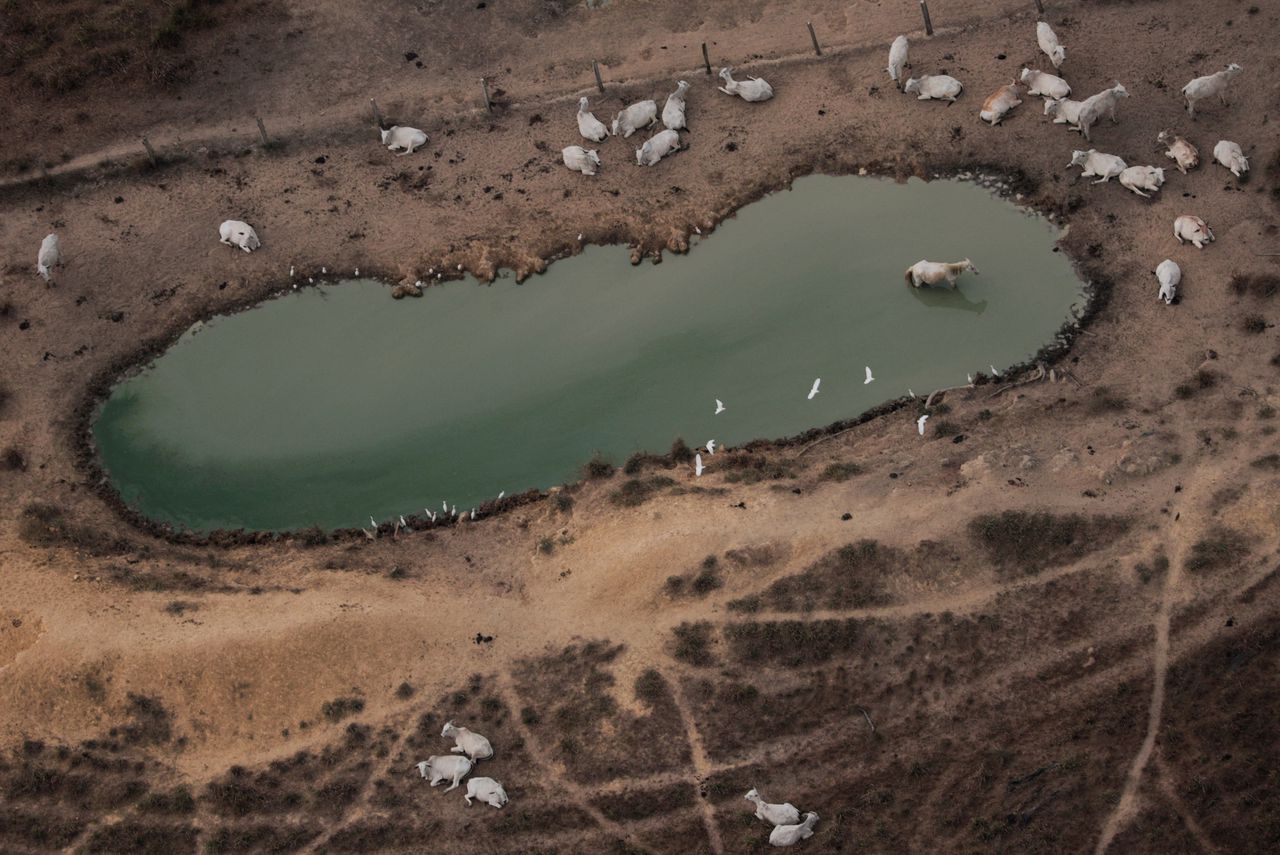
1054, 690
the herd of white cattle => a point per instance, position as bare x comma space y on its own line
1081, 116
789, 828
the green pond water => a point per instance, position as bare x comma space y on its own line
334, 404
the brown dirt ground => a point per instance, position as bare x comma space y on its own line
1097, 669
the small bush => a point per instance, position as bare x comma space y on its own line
598, 467
1254, 324
1104, 400
180, 607
840, 471
14, 461
636, 491
945, 428
564, 502
651, 687
1206, 379
546, 546
754, 468
339, 708
1219, 548
1183, 391
1032, 541
1264, 286
680, 452
404, 691
177, 801
692, 643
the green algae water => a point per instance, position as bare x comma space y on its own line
335, 404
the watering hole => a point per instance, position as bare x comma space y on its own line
334, 404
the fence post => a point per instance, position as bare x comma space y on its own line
262, 131
484, 84
595, 66
928, 25
706, 60
814, 36
377, 114
151, 152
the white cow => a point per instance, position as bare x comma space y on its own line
897, 60
1094, 162
589, 126
1139, 178
1048, 41
1231, 156
999, 103
1210, 86
790, 835
1063, 111
1097, 106
486, 790
49, 257
467, 742
641, 114
1168, 274
936, 272
657, 147
1194, 229
1044, 83
943, 87
446, 767
775, 814
1180, 151
751, 89
580, 159
673, 110
408, 139
237, 233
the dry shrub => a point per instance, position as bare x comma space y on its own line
692, 643
1264, 286
1220, 548
45, 525
840, 471
850, 577
636, 491
1024, 543
339, 708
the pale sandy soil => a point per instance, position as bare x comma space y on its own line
1092, 701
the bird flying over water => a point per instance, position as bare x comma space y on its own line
719, 407
920, 423
814, 390
697, 465
711, 446
869, 377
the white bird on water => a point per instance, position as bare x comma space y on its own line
719, 407
920, 423
814, 390
711, 446
869, 377
697, 465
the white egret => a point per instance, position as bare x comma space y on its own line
403, 524
473, 513
711, 446
444, 506
912, 394
970, 378
994, 372
869, 377
697, 465
814, 390
373, 523
324, 270
357, 271
920, 423
719, 407
503, 493
290, 271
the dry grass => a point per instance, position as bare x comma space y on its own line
1022, 543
